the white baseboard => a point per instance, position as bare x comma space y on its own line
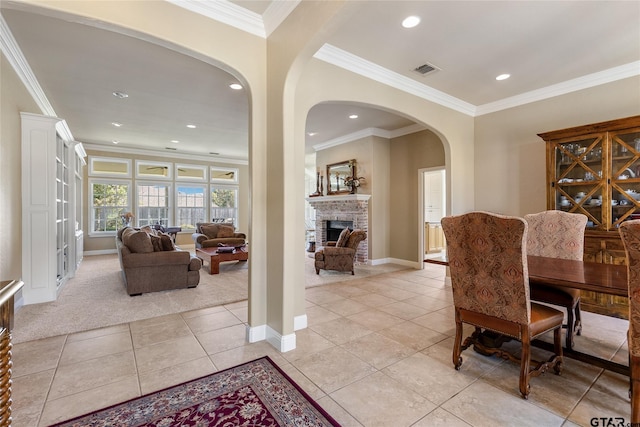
282, 343
403, 262
100, 252
300, 322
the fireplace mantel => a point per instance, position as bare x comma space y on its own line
340, 198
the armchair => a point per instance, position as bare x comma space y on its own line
558, 234
334, 256
211, 234
488, 264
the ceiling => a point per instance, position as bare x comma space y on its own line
548, 47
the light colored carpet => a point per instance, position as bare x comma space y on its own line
96, 297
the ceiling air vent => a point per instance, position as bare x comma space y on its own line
425, 69
170, 148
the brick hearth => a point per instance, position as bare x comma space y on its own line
350, 207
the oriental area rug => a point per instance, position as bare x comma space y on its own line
257, 393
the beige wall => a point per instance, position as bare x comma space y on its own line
107, 243
14, 99
409, 154
510, 157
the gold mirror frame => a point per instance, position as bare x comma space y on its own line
336, 173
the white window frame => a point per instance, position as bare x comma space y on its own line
129, 208
215, 170
202, 168
93, 172
235, 188
205, 189
170, 198
166, 165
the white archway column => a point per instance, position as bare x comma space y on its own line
282, 302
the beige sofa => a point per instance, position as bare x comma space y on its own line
209, 234
150, 262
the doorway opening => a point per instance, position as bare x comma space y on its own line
432, 196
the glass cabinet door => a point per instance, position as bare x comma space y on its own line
580, 178
625, 176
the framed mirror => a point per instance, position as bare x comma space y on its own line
336, 173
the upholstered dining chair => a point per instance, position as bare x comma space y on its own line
489, 276
558, 234
340, 255
630, 234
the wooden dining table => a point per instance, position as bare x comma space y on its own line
588, 276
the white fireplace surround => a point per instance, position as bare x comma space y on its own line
348, 207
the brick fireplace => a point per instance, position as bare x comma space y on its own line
353, 208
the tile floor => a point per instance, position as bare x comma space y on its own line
377, 352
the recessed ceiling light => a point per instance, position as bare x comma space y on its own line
175, 141
120, 95
411, 21
312, 133
235, 86
353, 116
115, 141
116, 124
503, 76
191, 126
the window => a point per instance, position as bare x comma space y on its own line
108, 166
190, 205
153, 204
192, 173
224, 175
156, 170
224, 203
109, 201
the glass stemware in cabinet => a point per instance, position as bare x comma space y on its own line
625, 177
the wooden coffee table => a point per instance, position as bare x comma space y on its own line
215, 258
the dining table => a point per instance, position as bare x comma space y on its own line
588, 276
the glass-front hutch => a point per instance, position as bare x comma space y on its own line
595, 170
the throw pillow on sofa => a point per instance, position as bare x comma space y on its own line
137, 242
210, 230
167, 242
156, 242
225, 231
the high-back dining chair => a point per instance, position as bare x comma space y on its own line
558, 234
630, 234
489, 276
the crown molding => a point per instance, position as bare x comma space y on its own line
364, 133
277, 12
158, 153
355, 64
226, 12
580, 83
19, 63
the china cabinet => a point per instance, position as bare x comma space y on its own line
595, 170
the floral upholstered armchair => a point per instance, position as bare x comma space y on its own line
341, 255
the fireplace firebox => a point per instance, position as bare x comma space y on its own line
334, 228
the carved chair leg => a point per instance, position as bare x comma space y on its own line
525, 362
570, 324
557, 348
317, 270
457, 346
578, 325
